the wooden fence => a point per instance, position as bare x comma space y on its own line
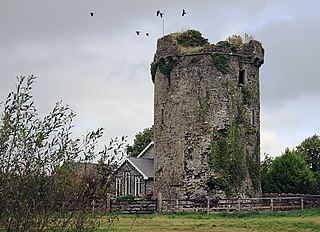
134, 206
270, 203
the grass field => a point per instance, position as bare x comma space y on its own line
304, 220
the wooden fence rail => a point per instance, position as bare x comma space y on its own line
134, 206
207, 205
271, 204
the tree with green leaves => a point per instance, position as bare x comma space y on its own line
289, 173
265, 167
141, 141
310, 149
40, 191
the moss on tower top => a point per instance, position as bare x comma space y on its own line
191, 42
190, 38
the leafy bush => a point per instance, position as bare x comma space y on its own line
235, 40
39, 190
310, 150
289, 173
191, 38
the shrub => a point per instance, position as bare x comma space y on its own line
289, 173
191, 38
39, 190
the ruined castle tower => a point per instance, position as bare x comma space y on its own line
206, 117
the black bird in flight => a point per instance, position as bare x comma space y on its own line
138, 32
147, 34
183, 12
158, 12
91, 13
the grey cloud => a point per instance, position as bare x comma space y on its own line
291, 60
101, 68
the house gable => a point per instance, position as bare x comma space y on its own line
148, 151
135, 175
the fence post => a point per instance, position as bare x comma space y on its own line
239, 205
159, 210
208, 206
302, 203
108, 206
177, 205
93, 205
271, 204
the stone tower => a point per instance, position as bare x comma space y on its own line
206, 117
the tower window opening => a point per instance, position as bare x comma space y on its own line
242, 77
253, 117
162, 116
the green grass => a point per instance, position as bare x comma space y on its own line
304, 220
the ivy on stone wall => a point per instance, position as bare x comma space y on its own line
247, 95
153, 70
203, 109
253, 163
194, 59
165, 67
227, 158
242, 61
221, 62
241, 117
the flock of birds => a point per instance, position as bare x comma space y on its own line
158, 14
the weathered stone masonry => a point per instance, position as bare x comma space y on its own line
197, 98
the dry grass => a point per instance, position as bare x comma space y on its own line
189, 49
301, 221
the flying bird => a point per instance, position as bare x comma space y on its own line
147, 34
91, 13
158, 12
138, 32
183, 12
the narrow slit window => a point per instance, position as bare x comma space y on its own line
162, 116
253, 117
242, 77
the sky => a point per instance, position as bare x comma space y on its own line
101, 68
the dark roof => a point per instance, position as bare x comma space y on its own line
150, 146
143, 165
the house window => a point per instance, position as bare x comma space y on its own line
118, 186
137, 185
127, 183
242, 77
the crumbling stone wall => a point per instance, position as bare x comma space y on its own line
199, 94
